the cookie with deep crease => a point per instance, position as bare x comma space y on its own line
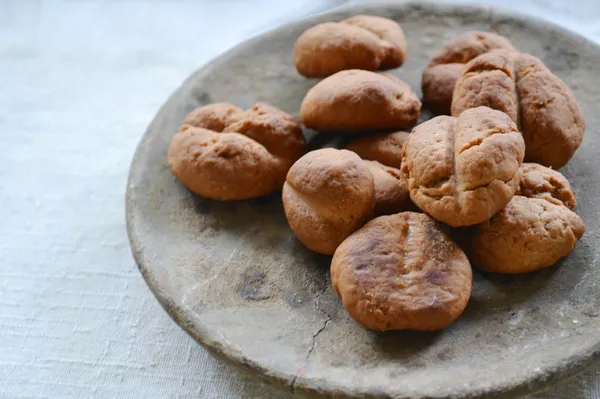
463, 170
444, 68
225, 153
361, 42
539, 102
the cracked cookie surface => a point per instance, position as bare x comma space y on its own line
463, 170
527, 235
402, 272
538, 181
360, 42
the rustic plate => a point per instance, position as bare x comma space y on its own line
233, 275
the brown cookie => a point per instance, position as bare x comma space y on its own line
463, 170
360, 42
391, 193
537, 100
383, 154
355, 100
538, 181
437, 85
225, 153
402, 272
386, 148
328, 194
527, 235
440, 76
212, 117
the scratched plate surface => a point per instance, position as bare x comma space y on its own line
233, 275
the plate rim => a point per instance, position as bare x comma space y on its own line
551, 375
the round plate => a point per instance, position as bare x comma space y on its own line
233, 275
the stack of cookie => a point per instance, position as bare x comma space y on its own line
391, 206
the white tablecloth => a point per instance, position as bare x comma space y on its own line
79, 83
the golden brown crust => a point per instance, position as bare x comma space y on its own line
360, 42
537, 100
437, 85
388, 31
468, 46
463, 170
488, 81
527, 235
391, 193
328, 194
357, 100
383, 154
551, 121
385, 148
212, 117
225, 153
538, 181
402, 272
440, 76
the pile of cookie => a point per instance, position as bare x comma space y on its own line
391, 206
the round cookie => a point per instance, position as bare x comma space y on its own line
440, 76
355, 100
402, 272
225, 153
328, 194
527, 235
463, 170
520, 85
360, 42
383, 155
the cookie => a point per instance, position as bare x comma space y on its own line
402, 272
463, 170
538, 181
529, 234
391, 193
383, 155
225, 153
354, 100
541, 104
328, 194
360, 42
385, 148
442, 72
